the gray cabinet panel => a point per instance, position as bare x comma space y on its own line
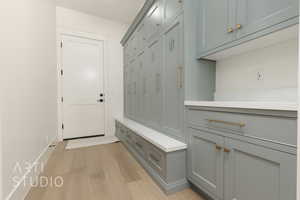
255, 15
215, 21
133, 89
140, 70
173, 80
205, 158
254, 172
155, 83
171, 9
154, 20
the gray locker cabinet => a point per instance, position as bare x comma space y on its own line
155, 83
256, 15
140, 70
141, 36
205, 161
216, 21
126, 91
133, 89
172, 9
154, 19
255, 172
173, 83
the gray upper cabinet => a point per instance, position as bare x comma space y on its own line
255, 15
173, 80
255, 172
215, 29
141, 38
155, 82
205, 158
240, 21
154, 20
172, 9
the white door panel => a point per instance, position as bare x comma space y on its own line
82, 84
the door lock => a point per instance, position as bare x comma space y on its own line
100, 100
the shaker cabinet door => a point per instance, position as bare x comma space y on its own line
155, 76
173, 81
172, 8
154, 20
216, 24
255, 172
256, 15
205, 161
140, 70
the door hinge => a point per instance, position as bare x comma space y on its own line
61, 44
62, 99
61, 72
62, 126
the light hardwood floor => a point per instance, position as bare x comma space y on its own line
104, 172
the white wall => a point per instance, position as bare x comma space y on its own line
236, 77
72, 21
28, 83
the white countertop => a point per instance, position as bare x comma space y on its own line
283, 106
156, 138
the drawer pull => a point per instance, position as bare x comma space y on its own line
226, 150
154, 158
227, 123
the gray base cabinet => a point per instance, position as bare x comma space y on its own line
168, 169
255, 172
229, 162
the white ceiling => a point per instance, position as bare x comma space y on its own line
119, 10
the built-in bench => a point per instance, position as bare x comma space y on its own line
163, 157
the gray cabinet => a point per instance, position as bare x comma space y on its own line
255, 172
215, 29
173, 80
237, 19
168, 169
206, 161
132, 98
140, 71
172, 9
256, 15
155, 83
228, 161
154, 20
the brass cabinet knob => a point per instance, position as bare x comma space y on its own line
226, 150
230, 30
238, 26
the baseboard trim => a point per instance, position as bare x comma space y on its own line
20, 191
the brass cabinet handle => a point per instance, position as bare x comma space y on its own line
227, 123
218, 147
179, 77
226, 150
230, 30
238, 26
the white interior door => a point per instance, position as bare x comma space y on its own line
82, 87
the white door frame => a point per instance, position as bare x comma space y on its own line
60, 33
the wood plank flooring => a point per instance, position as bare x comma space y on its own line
104, 172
